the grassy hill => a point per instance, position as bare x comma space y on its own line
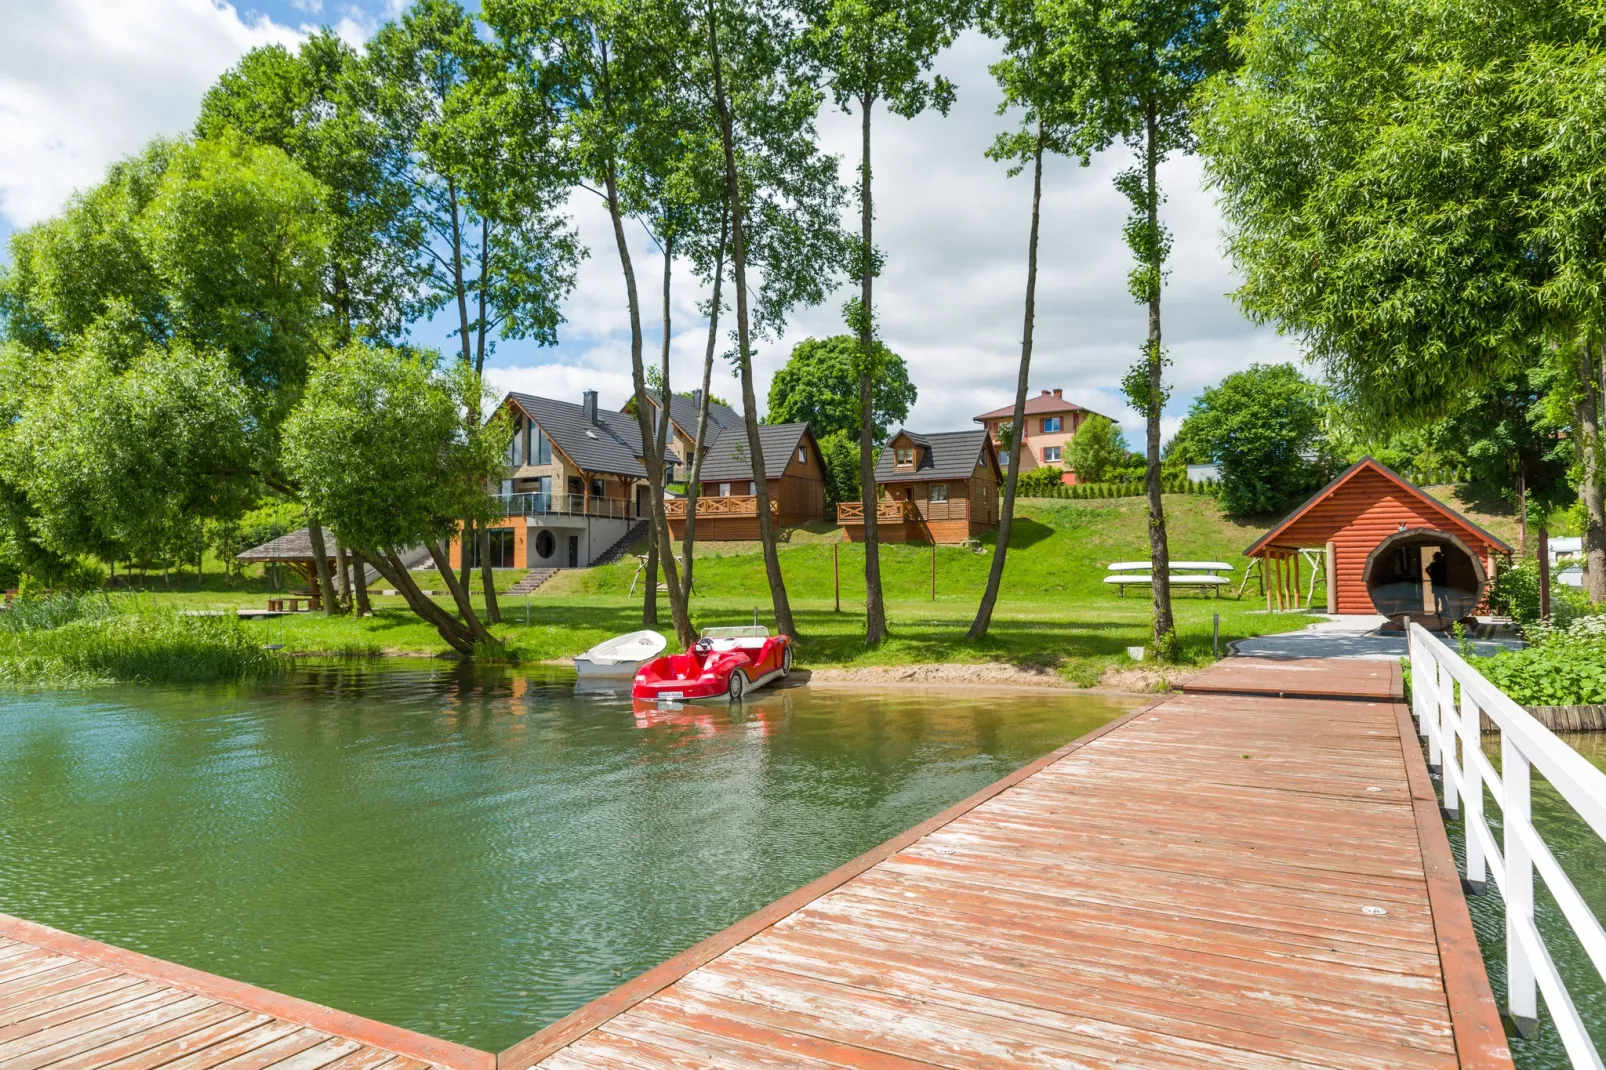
1054, 610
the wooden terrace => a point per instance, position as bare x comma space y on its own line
1251, 874
719, 506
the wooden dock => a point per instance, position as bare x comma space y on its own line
1232, 878
1251, 874
67, 1003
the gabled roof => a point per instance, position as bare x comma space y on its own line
945, 455
728, 459
683, 413
611, 445
1370, 464
291, 546
1040, 403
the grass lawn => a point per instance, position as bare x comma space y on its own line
1054, 610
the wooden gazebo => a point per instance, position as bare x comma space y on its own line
1388, 547
295, 551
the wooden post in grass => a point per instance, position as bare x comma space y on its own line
1544, 573
836, 575
1330, 567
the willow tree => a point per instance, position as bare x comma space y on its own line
1135, 67
1411, 190
880, 51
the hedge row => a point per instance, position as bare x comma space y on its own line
1121, 490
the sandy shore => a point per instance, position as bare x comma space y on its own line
991, 675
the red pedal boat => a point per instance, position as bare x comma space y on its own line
724, 663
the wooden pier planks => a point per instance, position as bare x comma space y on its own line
67, 1003
1195, 885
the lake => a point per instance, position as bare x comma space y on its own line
468, 852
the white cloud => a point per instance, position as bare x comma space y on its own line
88, 81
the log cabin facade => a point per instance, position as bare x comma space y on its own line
939, 488
727, 502
1369, 513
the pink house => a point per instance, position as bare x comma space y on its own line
1051, 422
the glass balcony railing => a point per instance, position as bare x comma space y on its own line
537, 504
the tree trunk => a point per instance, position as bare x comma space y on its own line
694, 473
1165, 632
493, 612
1592, 487
342, 575
468, 545
320, 565
450, 629
1017, 430
875, 613
359, 578
649, 441
761, 489
1522, 507
459, 593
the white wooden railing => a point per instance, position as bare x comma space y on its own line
1525, 745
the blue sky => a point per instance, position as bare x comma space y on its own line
88, 81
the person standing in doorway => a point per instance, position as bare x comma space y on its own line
1438, 574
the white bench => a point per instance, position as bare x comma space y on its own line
1177, 579
1145, 566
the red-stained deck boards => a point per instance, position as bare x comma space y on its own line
1188, 888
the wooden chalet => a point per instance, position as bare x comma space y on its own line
727, 502
1379, 535
939, 488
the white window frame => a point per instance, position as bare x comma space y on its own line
897, 457
1055, 420
1051, 455
939, 492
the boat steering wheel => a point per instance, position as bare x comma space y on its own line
703, 646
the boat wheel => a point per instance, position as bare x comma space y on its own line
738, 685
786, 661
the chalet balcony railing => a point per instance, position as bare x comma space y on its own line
886, 512
730, 505
536, 504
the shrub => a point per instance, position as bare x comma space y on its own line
1564, 666
1515, 594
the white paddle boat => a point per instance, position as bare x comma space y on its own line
621, 657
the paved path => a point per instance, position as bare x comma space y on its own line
1225, 880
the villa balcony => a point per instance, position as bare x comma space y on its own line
534, 504
887, 511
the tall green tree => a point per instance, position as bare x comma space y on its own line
1136, 66
488, 175
1053, 120
1408, 192
819, 385
388, 447
1098, 448
612, 73
782, 195
880, 51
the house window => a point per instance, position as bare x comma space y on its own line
802, 455
724, 490
1051, 455
513, 448
545, 544
903, 458
1051, 424
939, 492
752, 488
596, 488
501, 549
1003, 458
540, 447
669, 471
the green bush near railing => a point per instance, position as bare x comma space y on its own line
79, 640
1562, 667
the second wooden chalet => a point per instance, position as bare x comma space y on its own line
727, 503
931, 488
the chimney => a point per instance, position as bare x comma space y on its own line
1057, 393
1045, 393
588, 402
697, 397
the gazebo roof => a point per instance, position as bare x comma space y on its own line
294, 546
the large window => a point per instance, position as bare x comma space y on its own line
1051, 424
540, 448
1051, 455
513, 456
903, 458
501, 549
545, 545
939, 492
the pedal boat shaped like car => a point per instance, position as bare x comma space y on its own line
725, 663
621, 657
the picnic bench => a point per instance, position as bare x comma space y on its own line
1203, 575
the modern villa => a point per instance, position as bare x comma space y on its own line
940, 488
1051, 423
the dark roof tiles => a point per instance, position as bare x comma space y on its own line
611, 445
946, 455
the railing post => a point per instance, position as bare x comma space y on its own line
1472, 800
1448, 765
1431, 716
1522, 994
1420, 662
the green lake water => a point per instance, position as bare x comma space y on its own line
1582, 856
471, 853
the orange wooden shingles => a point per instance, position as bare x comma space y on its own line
60, 1012
1189, 890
